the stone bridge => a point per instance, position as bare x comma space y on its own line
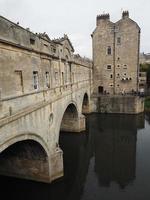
29, 138
44, 89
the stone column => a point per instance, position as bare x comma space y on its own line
56, 164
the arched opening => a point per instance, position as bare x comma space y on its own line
100, 89
69, 119
72, 121
85, 104
25, 159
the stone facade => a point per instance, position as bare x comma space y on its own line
122, 104
44, 88
32, 64
116, 55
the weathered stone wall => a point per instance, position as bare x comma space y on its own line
39, 79
118, 104
33, 68
115, 55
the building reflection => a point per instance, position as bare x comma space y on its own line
110, 140
115, 139
147, 117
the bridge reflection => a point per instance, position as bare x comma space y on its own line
104, 154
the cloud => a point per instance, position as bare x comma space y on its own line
76, 18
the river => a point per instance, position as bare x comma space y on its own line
110, 161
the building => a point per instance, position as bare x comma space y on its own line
115, 55
144, 58
33, 63
45, 88
142, 82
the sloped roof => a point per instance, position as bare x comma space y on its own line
62, 39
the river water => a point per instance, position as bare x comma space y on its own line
110, 161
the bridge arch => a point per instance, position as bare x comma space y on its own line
24, 136
69, 118
25, 158
85, 104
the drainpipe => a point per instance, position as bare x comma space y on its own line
114, 63
138, 60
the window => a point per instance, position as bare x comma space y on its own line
118, 58
118, 75
19, 80
32, 41
111, 75
100, 89
108, 66
62, 76
53, 49
35, 80
141, 84
118, 65
47, 79
125, 67
108, 50
56, 75
118, 40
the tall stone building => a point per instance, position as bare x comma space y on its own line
116, 55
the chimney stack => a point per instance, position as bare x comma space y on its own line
104, 17
125, 14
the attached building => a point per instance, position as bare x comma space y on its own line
116, 55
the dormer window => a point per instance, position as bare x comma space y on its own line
32, 41
53, 49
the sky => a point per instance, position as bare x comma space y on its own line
76, 18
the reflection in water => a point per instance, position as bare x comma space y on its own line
115, 149
93, 163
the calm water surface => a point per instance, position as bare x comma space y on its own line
110, 161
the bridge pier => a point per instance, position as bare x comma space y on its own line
73, 124
56, 164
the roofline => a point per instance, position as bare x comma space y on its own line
37, 35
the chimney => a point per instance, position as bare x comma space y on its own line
125, 14
103, 17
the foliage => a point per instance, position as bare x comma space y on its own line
147, 102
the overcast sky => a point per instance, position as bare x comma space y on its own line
76, 18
